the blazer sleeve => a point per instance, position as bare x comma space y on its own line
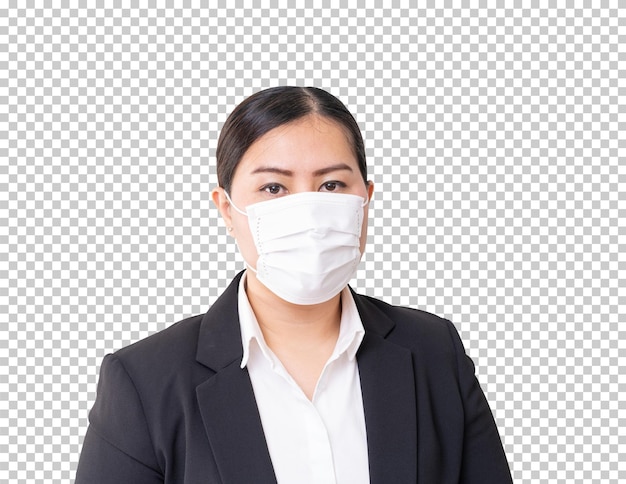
484, 460
117, 446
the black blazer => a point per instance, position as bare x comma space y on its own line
177, 408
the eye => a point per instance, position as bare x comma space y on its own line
272, 188
331, 186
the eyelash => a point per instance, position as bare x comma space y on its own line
266, 188
269, 186
337, 184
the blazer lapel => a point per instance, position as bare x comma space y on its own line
389, 401
227, 404
231, 417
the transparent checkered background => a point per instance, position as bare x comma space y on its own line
495, 138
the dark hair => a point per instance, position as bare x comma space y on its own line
273, 107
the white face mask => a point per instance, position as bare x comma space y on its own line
308, 243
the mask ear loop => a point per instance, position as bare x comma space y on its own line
242, 213
233, 205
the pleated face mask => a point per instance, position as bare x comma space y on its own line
308, 243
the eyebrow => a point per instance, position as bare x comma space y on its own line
320, 172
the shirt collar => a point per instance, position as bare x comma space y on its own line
351, 331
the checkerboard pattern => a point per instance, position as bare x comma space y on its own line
495, 138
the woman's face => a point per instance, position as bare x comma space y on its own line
307, 155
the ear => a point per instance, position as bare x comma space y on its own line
370, 190
218, 195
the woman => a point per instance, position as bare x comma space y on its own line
291, 377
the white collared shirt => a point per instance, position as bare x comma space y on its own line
317, 441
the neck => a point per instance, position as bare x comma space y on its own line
290, 325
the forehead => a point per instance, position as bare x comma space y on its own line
305, 144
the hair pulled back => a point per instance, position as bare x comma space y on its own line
274, 107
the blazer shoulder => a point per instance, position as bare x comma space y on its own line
164, 350
411, 327
417, 318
